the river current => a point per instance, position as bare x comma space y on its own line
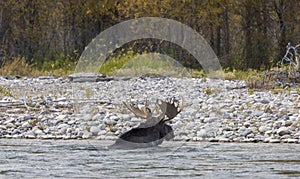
25, 158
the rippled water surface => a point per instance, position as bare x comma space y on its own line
92, 159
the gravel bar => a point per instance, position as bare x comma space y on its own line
214, 110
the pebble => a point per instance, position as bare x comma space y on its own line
274, 141
258, 113
292, 140
262, 129
2, 127
202, 133
245, 132
282, 131
86, 135
60, 117
94, 130
10, 125
38, 132
26, 125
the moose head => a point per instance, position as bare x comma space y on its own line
154, 130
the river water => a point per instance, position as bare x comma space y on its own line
24, 158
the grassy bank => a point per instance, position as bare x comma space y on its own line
20, 67
127, 63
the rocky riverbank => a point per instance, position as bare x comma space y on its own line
213, 110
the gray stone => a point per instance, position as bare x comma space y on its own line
29, 135
2, 127
293, 92
46, 130
26, 125
71, 122
265, 101
60, 118
98, 117
282, 131
202, 133
292, 140
274, 141
286, 136
263, 129
86, 135
10, 125
227, 116
102, 126
88, 77
287, 123
297, 135
93, 123
109, 121
282, 110
213, 140
94, 130
258, 113
245, 132
38, 132
277, 124
126, 116
102, 132
247, 124
251, 135
114, 117
223, 139
69, 130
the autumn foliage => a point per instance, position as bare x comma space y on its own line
244, 34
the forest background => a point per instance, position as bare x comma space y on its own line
50, 35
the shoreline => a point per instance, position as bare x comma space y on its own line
213, 110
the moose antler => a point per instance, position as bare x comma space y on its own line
145, 112
168, 108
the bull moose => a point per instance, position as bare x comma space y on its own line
154, 130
